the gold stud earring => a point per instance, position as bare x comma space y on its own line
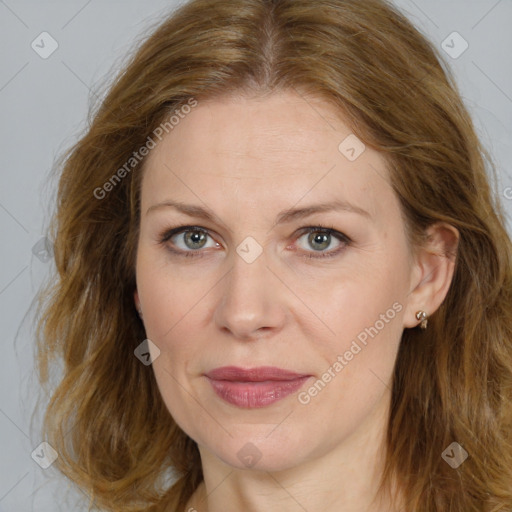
423, 317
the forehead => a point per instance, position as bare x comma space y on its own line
281, 128
271, 153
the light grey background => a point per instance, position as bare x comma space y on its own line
44, 105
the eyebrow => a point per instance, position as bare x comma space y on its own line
283, 217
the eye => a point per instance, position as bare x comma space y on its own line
189, 240
320, 238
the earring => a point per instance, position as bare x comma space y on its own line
421, 315
140, 313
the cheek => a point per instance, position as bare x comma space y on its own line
167, 297
364, 349
174, 318
357, 373
365, 312
366, 298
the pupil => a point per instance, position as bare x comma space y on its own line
194, 236
320, 239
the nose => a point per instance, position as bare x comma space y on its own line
252, 303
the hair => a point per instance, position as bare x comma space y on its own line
453, 382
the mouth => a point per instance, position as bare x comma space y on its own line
254, 387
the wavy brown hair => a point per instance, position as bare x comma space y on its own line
106, 419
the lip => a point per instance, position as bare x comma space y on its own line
254, 387
258, 374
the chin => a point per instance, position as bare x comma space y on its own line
261, 449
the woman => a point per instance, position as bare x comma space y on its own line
284, 280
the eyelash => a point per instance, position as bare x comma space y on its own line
168, 234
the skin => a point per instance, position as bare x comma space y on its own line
247, 160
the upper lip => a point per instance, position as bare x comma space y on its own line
258, 374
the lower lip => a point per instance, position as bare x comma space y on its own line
251, 395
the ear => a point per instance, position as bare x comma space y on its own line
432, 271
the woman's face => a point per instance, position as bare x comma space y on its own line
257, 283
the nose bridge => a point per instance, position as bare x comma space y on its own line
249, 300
